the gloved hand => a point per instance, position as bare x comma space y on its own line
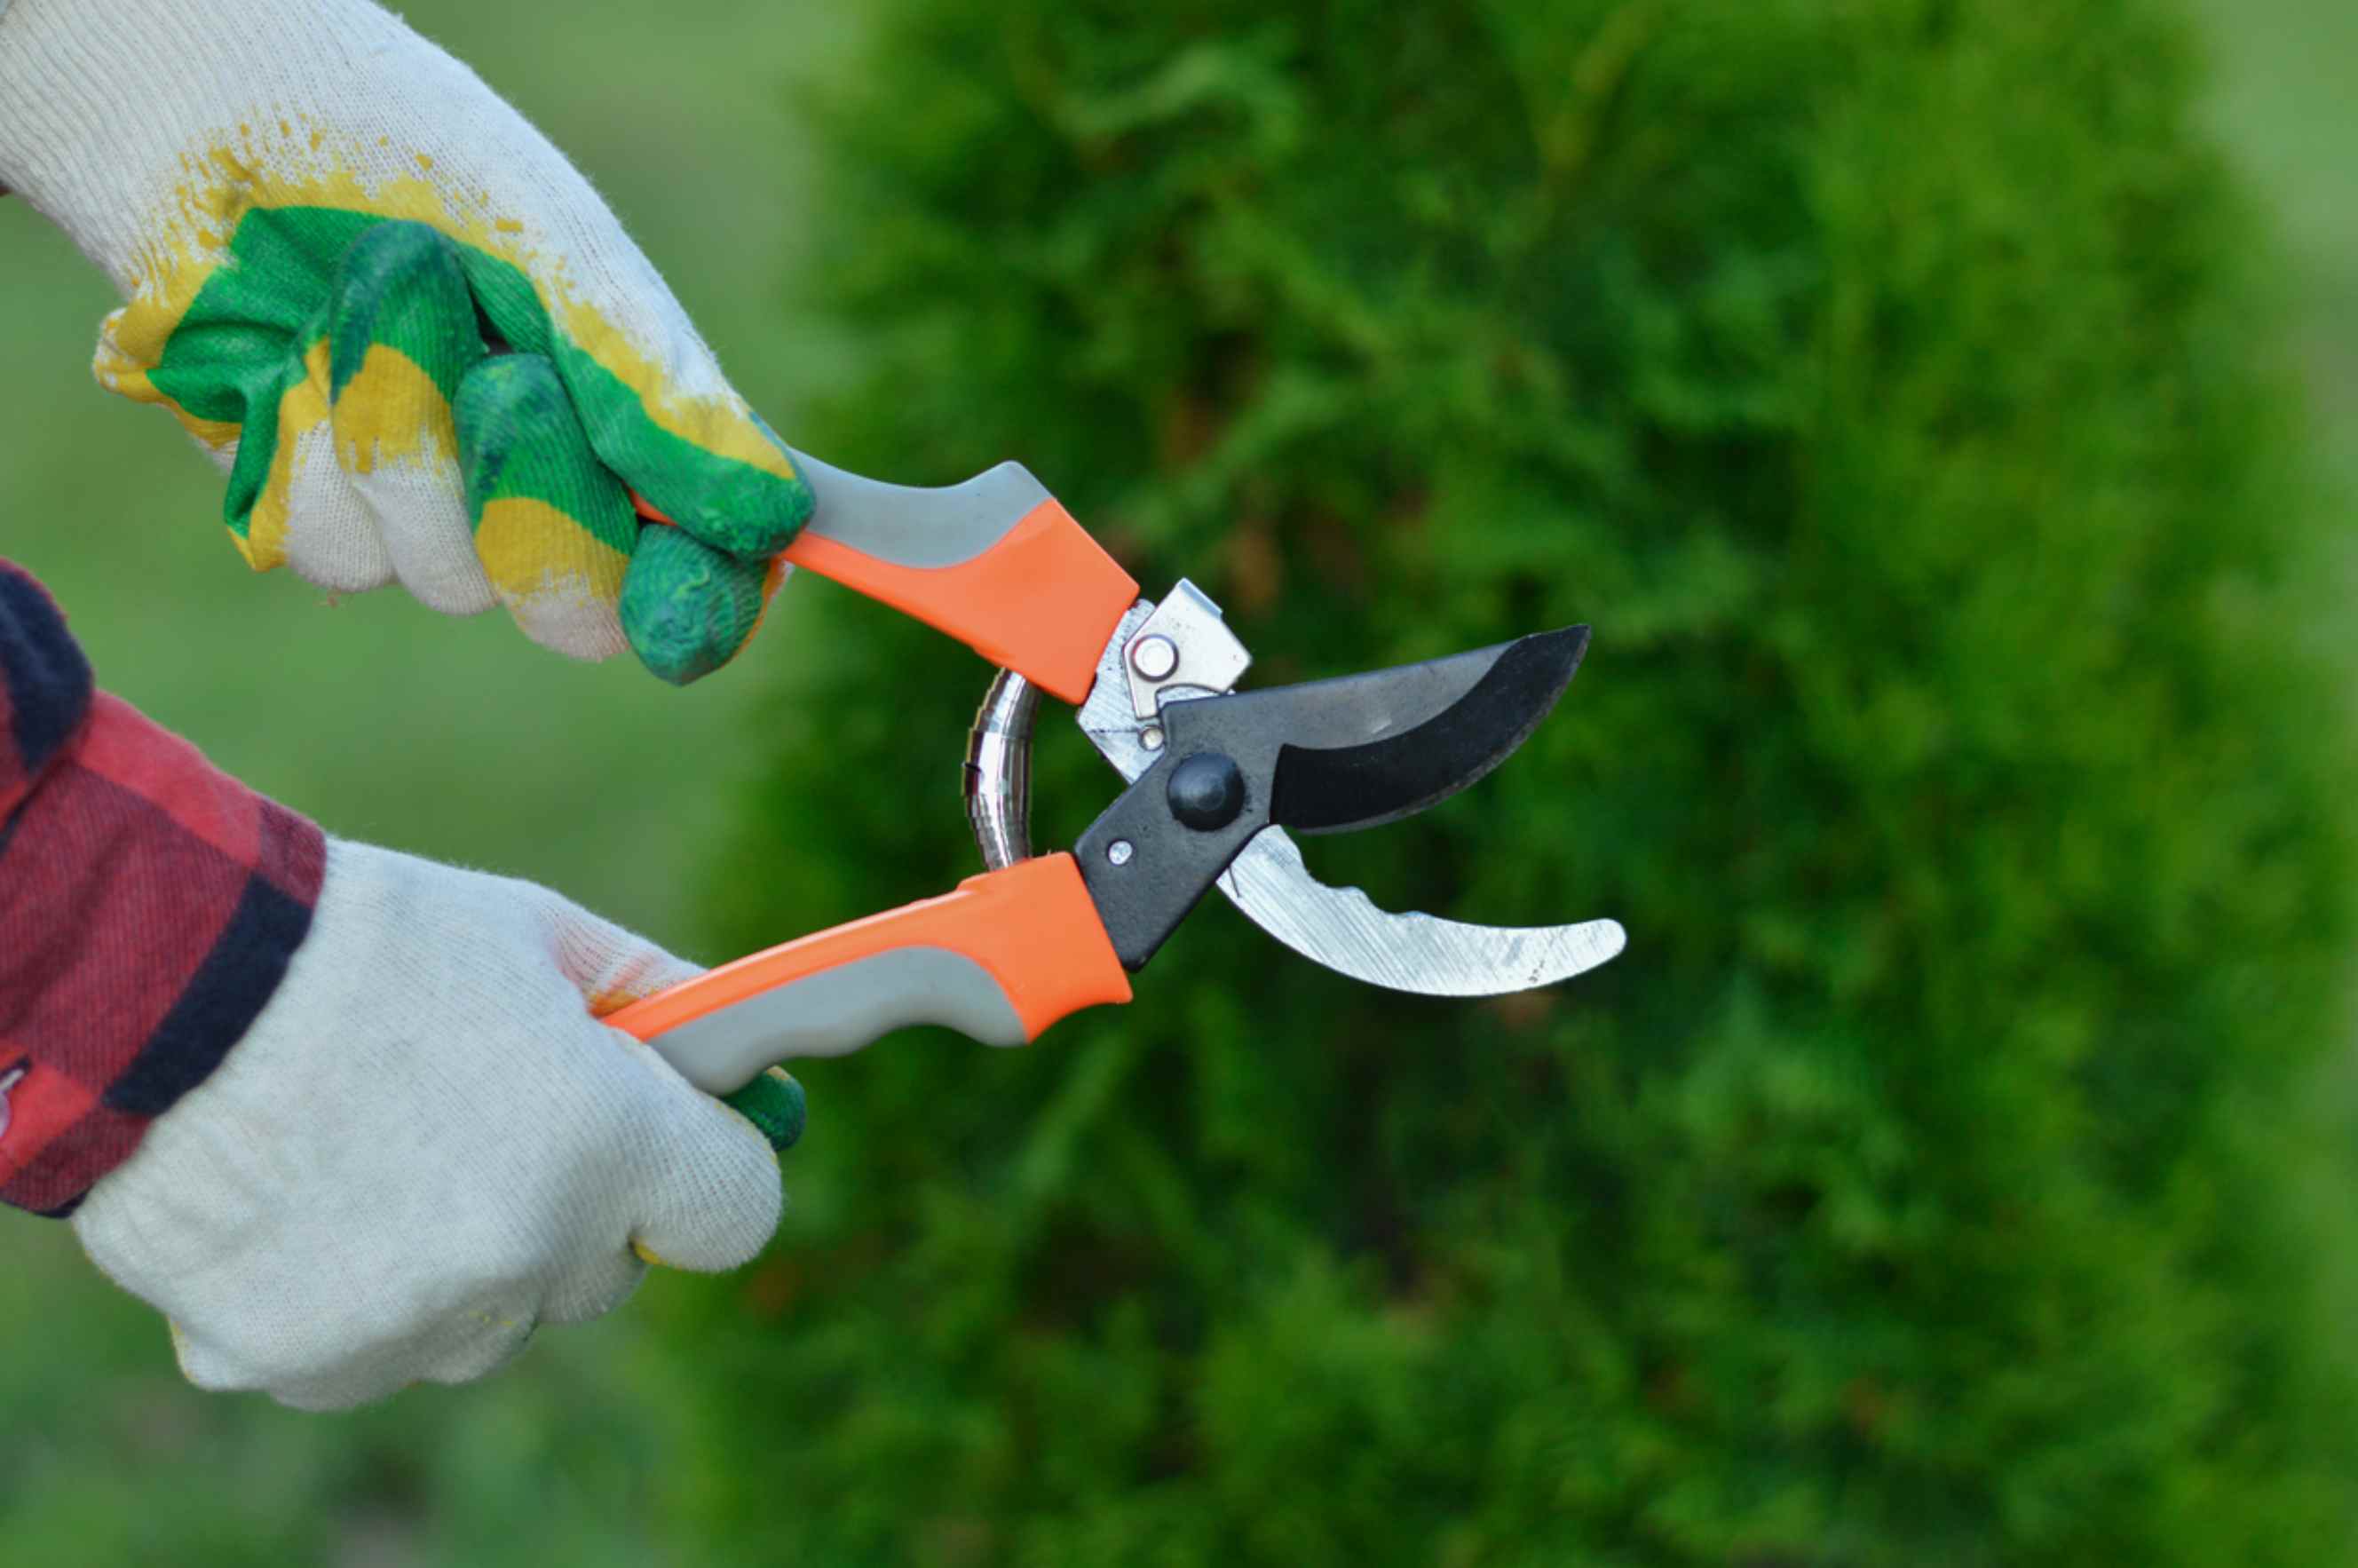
325, 227
425, 1147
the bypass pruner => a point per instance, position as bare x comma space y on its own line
1214, 779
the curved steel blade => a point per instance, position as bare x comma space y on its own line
1372, 749
1343, 929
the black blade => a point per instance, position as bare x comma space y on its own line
1429, 730
1322, 757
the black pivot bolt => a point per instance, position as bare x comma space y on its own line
1206, 791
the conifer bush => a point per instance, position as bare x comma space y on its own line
1880, 379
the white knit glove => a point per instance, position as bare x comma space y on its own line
425, 1147
314, 215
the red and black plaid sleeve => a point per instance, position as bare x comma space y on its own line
150, 905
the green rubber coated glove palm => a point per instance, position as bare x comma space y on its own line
421, 345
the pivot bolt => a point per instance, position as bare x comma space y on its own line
1154, 656
1118, 851
1207, 791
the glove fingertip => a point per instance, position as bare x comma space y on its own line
718, 1207
203, 1366
685, 608
776, 1105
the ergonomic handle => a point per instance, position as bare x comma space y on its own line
996, 562
1001, 958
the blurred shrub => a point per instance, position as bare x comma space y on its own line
1876, 377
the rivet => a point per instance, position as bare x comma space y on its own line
1155, 657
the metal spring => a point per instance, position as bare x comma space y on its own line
998, 773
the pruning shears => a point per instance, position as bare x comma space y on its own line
1214, 780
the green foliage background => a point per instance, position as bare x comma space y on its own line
1880, 379
1947, 1174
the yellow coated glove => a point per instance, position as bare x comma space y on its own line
422, 348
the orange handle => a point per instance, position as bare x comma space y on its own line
1017, 581
1000, 959
1042, 601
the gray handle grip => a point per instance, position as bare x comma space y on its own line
1001, 958
837, 1011
912, 526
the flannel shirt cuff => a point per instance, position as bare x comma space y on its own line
149, 905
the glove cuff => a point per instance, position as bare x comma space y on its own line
116, 116
152, 904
